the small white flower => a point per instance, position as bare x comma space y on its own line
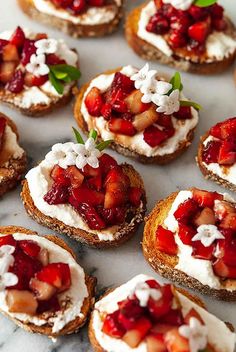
196, 333
62, 154
179, 4
143, 292
87, 154
46, 46
6, 260
65, 53
207, 234
151, 87
142, 75
167, 104
37, 65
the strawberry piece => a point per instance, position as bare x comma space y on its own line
42, 290
18, 38
10, 53
180, 22
57, 275
161, 307
117, 176
106, 162
223, 270
51, 305
217, 11
120, 126
120, 106
130, 312
117, 185
175, 342
161, 328
3, 43
7, 240
135, 195
114, 94
198, 13
58, 174
86, 195
140, 329
3, 123
7, 70
155, 343
227, 250
112, 327
91, 217
122, 81
184, 113
223, 208
135, 104
95, 182
89, 171
206, 217
205, 198
227, 153
219, 24
177, 39
113, 216
165, 241
173, 317
78, 6
30, 248
106, 111
186, 211
153, 284
158, 24
34, 81
193, 314
94, 102
186, 233
145, 119
21, 302
153, 136
165, 121
224, 130
28, 50
16, 83
229, 222
58, 194
53, 59
199, 31
75, 176
202, 252
211, 151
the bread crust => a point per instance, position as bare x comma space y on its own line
77, 323
161, 160
149, 52
11, 174
66, 26
164, 264
209, 175
125, 232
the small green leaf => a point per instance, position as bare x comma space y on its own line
72, 72
93, 134
78, 136
56, 83
204, 3
190, 103
103, 145
176, 82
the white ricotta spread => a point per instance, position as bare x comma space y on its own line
218, 45
11, 146
76, 293
219, 335
136, 143
93, 16
227, 173
200, 269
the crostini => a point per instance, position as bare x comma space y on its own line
147, 117
217, 154
192, 35
189, 238
12, 156
42, 287
143, 315
78, 18
82, 192
37, 73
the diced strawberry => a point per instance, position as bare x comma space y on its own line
219, 24
227, 153
199, 31
135, 195
122, 81
205, 217
173, 317
58, 175
53, 59
95, 182
211, 151
134, 336
223, 208
106, 111
51, 305
217, 11
153, 284
7, 240
114, 94
223, 270
165, 121
158, 24
175, 342
58, 194
177, 39
130, 311
115, 196
30, 248
120, 126
186, 210
197, 12
227, 250
153, 136
18, 37
3, 43
193, 314
86, 195
165, 241
186, 233
155, 343
161, 328
145, 119
135, 104
180, 22
112, 327
91, 216
7, 70
113, 216
75, 176
94, 102
161, 307
42, 290
184, 113
28, 50
57, 275
202, 252
106, 163
16, 83
117, 176
205, 198
37, 81
78, 6
225, 129
21, 302
90, 171
229, 222
10, 53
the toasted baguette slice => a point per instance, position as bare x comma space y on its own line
158, 159
149, 52
70, 28
124, 233
11, 169
164, 264
78, 322
208, 174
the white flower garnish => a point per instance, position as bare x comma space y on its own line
179, 4
167, 104
62, 154
142, 75
46, 46
87, 154
65, 53
152, 87
37, 65
196, 333
143, 292
207, 234
6, 260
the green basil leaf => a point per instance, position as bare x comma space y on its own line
93, 134
190, 103
103, 145
204, 3
78, 136
176, 83
56, 83
71, 71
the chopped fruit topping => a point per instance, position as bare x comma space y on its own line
28, 50
155, 343
134, 103
130, 311
211, 152
113, 216
58, 194
91, 217
153, 136
184, 113
7, 70
186, 233
75, 176
229, 222
175, 342
206, 217
135, 195
52, 305
10, 53
112, 327
94, 102
224, 130
205, 198
16, 83
223, 208
57, 275
30, 248
227, 153
21, 302
223, 270
42, 290
58, 175
121, 126
145, 119
18, 38
140, 329
186, 210
199, 31
159, 308
158, 24
202, 252
85, 195
165, 241
106, 163
31, 80
7, 240
122, 81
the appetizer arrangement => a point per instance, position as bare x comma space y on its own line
82, 192
217, 154
37, 73
78, 18
12, 156
42, 287
189, 238
192, 35
142, 315
146, 116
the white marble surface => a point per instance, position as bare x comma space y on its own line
217, 95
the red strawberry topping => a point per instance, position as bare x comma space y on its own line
165, 241
18, 38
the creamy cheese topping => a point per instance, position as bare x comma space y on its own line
218, 44
219, 336
200, 269
227, 173
76, 293
11, 146
93, 16
136, 143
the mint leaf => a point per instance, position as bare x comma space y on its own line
78, 136
93, 134
190, 103
204, 3
103, 145
56, 83
64, 70
176, 83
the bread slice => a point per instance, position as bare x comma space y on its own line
77, 323
11, 170
149, 52
125, 231
68, 27
209, 175
164, 264
158, 159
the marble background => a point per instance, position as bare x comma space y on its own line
217, 95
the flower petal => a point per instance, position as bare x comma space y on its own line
9, 279
80, 161
93, 161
